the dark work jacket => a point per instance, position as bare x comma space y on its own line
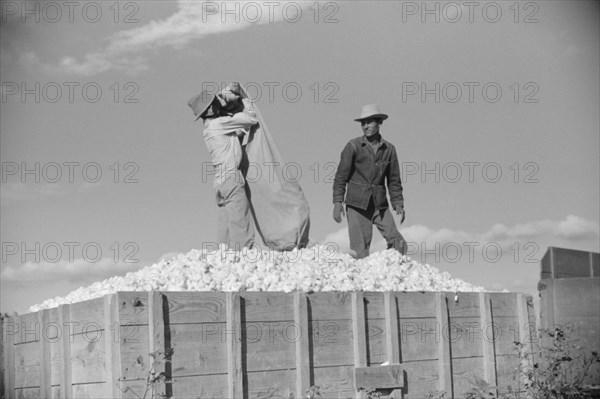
365, 174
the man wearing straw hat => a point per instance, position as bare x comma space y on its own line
228, 119
367, 163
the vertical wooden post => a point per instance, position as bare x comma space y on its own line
112, 347
392, 338
488, 342
302, 347
359, 332
9, 356
44, 355
64, 320
524, 334
156, 337
444, 349
234, 345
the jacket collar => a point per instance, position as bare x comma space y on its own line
364, 141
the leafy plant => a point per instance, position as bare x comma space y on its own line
372, 394
559, 372
154, 377
314, 392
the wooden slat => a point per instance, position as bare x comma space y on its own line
234, 345
44, 356
391, 328
380, 377
64, 319
112, 349
9, 356
488, 340
392, 338
444, 350
524, 333
359, 332
302, 344
156, 337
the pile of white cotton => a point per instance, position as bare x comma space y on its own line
311, 269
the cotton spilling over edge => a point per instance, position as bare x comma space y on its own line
318, 268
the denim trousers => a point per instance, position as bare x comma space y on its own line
360, 229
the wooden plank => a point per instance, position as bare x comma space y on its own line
359, 330
376, 349
156, 340
133, 308
464, 371
271, 345
524, 334
234, 345
302, 344
87, 315
89, 391
112, 349
330, 305
334, 382
444, 348
10, 329
206, 386
27, 365
27, 328
44, 356
195, 307
134, 361
26, 393
379, 377
359, 334
267, 306
64, 317
2, 349
88, 358
199, 349
392, 337
488, 342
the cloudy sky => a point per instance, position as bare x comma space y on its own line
493, 110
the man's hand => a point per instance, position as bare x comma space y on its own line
338, 212
400, 211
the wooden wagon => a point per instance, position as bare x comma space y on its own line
267, 344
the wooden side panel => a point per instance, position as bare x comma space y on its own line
422, 377
112, 349
90, 391
64, 320
336, 381
27, 393
198, 349
302, 344
88, 358
444, 350
234, 346
27, 328
45, 357
488, 342
201, 387
135, 360
87, 316
27, 365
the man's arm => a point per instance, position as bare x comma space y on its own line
342, 175
394, 182
231, 124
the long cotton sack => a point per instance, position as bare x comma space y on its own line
280, 210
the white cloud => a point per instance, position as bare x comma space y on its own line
193, 20
573, 229
80, 271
